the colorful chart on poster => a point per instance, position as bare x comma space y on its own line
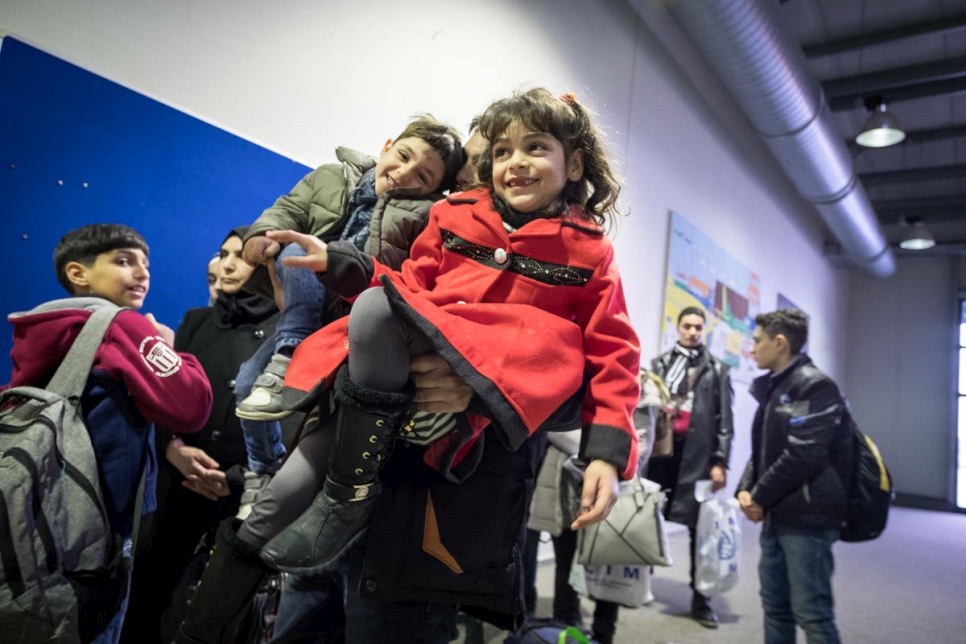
700, 273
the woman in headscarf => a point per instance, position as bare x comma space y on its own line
193, 490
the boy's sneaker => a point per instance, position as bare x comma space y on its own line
265, 402
254, 484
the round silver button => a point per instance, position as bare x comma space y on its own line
259, 334
500, 256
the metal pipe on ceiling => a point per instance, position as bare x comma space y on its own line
762, 65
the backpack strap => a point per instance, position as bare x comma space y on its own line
73, 372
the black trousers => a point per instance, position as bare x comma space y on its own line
664, 472
566, 601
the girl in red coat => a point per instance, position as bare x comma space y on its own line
516, 287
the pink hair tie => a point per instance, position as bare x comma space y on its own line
568, 98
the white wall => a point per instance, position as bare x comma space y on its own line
900, 381
303, 76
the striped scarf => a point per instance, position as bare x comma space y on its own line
682, 359
429, 426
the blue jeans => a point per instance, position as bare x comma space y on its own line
304, 300
263, 438
327, 609
112, 634
795, 573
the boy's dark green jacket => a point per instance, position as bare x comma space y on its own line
318, 205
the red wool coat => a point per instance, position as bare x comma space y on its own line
525, 318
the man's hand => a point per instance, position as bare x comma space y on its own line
599, 496
316, 258
719, 478
164, 331
260, 250
752, 510
200, 471
438, 388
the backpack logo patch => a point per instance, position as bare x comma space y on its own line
161, 358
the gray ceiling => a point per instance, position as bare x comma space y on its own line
913, 53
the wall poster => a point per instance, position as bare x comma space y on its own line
700, 273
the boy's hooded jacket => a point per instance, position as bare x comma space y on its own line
137, 380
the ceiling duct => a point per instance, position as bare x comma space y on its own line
761, 64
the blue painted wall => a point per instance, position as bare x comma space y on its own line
121, 158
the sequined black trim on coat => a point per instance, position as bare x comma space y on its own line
553, 274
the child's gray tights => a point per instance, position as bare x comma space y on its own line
381, 344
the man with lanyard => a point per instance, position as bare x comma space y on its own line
700, 409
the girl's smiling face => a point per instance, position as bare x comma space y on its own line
530, 169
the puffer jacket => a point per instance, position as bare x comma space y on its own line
800, 448
318, 205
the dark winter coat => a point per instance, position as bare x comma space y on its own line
435, 541
800, 448
222, 337
708, 441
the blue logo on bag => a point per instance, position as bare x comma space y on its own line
727, 544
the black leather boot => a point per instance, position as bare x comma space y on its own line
233, 574
368, 422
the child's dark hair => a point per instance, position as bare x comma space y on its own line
791, 323
569, 122
85, 244
444, 139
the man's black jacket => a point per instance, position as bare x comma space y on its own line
801, 448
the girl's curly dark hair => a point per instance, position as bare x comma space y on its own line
569, 122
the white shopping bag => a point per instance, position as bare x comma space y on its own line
718, 547
626, 585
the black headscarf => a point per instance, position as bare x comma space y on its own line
242, 307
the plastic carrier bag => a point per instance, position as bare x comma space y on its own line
718, 547
628, 586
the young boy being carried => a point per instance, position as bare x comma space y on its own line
380, 206
137, 379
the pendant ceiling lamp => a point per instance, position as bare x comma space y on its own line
882, 128
915, 235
